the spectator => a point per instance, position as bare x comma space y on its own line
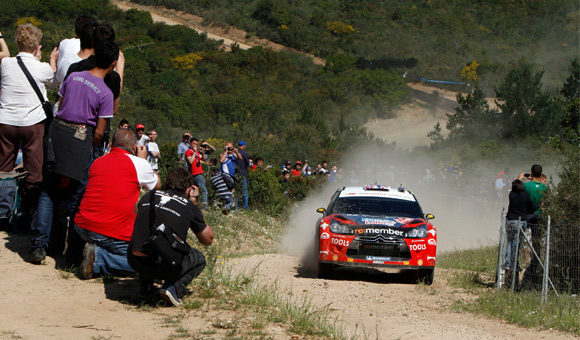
124, 124
68, 48
287, 166
21, 114
79, 125
183, 146
297, 171
285, 176
520, 205
194, 160
228, 159
305, 165
259, 164
206, 149
243, 163
106, 215
142, 139
223, 191
308, 171
176, 209
4, 52
153, 153
324, 168
536, 188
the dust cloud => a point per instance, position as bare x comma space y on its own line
467, 211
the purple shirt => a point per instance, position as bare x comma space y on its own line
85, 98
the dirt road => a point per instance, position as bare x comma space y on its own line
41, 302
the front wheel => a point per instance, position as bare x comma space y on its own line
426, 276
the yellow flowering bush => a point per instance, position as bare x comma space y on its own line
25, 20
186, 62
340, 28
469, 72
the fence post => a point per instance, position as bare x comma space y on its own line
516, 256
546, 267
501, 252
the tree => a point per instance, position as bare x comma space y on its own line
473, 121
527, 110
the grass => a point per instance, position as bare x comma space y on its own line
474, 271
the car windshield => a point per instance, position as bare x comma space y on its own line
377, 206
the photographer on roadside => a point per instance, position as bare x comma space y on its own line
169, 213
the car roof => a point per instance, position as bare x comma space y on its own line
377, 191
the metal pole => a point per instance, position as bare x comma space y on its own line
515, 256
546, 267
501, 253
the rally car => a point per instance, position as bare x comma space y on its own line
375, 226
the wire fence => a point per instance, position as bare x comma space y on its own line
539, 256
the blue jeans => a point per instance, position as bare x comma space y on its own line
110, 253
51, 196
200, 182
513, 241
228, 200
245, 198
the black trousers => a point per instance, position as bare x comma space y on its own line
192, 265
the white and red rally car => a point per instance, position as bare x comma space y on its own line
376, 226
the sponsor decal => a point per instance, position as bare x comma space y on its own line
420, 262
324, 236
378, 258
417, 241
432, 242
335, 257
378, 262
339, 236
403, 220
432, 232
378, 246
406, 263
323, 255
386, 231
324, 225
349, 260
417, 247
389, 223
430, 258
340, 242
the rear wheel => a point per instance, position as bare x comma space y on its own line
426, 276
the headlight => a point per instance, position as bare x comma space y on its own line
418, 232
339, 228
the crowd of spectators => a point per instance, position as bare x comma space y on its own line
78, 179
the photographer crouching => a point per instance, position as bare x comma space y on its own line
158, 248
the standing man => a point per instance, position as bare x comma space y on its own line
174, 208
243, 164
228, 159
194, 160
536, 188
106, 215
142, 139
153, 151
183, 146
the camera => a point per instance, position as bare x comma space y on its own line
230, 149
526, 175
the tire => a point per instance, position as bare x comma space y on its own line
426, 276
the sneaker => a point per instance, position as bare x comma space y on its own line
86, 268
38, 255
170, 295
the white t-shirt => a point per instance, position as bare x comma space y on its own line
152, 146
143, 141
68, 50
19, 104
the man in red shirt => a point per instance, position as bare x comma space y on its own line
107, 211
194, 161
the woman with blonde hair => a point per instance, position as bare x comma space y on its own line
21, 113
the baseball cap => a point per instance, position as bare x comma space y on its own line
287, 162
298, 162
140, 126
242, 143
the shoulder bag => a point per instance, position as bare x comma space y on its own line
46, 105
163, 243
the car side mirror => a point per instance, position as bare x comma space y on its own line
429, 217
321, 210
